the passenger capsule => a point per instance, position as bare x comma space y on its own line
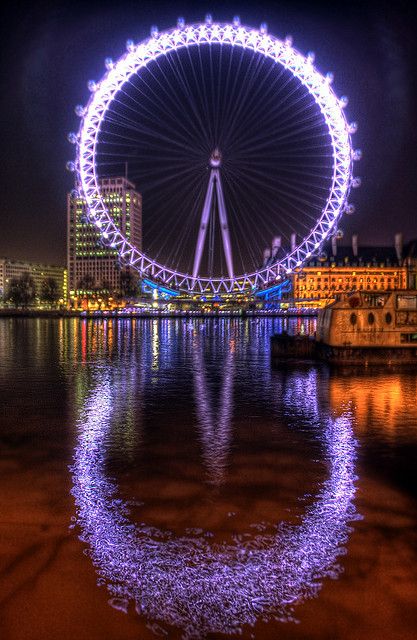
70, 166
329, 77
92, 85
208, 19
80, 110
264, 28
311, 56
154, 31
180, 23
356, 182
130, 45
344, 101
357, 154
108, 63
72, 138
236, 21
353, 127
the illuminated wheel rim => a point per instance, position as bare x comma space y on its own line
198, 35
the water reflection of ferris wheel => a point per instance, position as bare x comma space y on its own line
233, 138
187, 581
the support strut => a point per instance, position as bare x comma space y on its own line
214, 183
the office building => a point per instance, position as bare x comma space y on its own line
10, 269
92, 265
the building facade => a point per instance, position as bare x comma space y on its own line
345, 269
10, 269
91, 265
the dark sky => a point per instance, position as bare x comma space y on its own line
51, 49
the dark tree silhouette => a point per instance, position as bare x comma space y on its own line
22, 291
129, 285
86, 287
50, 292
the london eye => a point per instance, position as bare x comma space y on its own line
236, 142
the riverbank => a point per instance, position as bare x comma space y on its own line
156, 313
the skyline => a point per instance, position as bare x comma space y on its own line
60, 50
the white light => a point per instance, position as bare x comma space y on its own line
227, 35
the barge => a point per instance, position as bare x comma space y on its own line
360, 328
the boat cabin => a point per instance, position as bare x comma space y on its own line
365, 319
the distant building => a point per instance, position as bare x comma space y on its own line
86, 254
344, 269
10, 269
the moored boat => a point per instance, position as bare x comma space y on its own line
360, 328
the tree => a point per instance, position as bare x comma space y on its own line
14, 293
105, 292
129, 285
22, 291
86, 286
50, 292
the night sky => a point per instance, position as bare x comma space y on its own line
50, 50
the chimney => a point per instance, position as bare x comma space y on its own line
334, 246
267, 255
398, 243
276, 245
355, 244
293, 241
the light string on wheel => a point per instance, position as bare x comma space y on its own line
281, 52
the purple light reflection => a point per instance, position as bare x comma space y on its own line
214, 429
186, 581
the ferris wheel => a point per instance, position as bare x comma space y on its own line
234, 138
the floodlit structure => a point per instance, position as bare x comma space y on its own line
138, 57
344, 269
214, 187
86, 253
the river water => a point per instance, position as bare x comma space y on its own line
160, 479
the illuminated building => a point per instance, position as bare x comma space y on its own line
10, 269
340, 270
87, 257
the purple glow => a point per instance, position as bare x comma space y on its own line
214, 429
234, 35
188, 582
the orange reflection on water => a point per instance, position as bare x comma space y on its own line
381, 397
